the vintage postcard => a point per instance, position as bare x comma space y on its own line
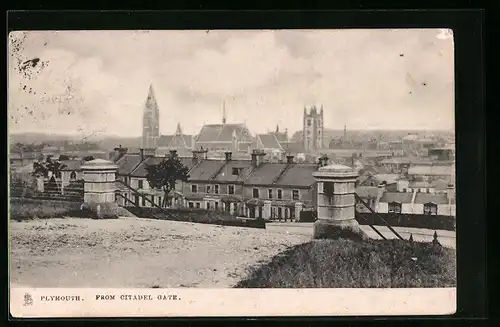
231, 173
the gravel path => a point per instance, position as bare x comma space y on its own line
132, 252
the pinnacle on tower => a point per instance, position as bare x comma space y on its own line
277, 128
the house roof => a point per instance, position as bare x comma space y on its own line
437, 198
420, 184
430, 170
400, 197
265, 174
367, 192
396, 161
298, 175
410, 137
222, 133
440, 184
140, 170
388, 178
128, 163
226, 172
268, 141
205, 170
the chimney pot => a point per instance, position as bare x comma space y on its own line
228, 155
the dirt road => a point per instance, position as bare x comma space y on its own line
132, 252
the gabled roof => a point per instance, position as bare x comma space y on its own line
128, 163
298, 175
226, 173
140, 170
268, 141
400, 197
281, 137
367, 192
265, 174
430, 170
205, 170
222, 133
388, 178
436, 198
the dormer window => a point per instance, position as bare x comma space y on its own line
430, 209
395, 207
236, 171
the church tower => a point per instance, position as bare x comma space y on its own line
313, 129
150, 122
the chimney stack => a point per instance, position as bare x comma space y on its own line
289, 159
229, 156
257, 157
142, 154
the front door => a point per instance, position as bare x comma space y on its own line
260, 212
279, 213
252, 212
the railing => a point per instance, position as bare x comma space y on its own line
358, 198
144, 197
72, 192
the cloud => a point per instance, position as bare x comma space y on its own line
363, 78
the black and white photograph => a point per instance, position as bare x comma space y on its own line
154, 163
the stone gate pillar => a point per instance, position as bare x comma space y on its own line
336, 203
298, 210
99, 188
266, 211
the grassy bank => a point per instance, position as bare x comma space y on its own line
348, 264
26, 209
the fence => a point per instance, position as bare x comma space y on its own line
52, 190
408, 220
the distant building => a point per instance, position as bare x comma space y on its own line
224, 137
313, 129
183, 143
150, 121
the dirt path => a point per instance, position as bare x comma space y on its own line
132, 252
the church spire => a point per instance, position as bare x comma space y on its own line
277, 128
178, 130
224, 111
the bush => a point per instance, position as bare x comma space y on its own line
348, 264
25, 209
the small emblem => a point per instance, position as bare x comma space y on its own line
28, 300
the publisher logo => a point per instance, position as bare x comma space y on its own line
28, 299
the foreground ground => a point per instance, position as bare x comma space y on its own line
132, 252
348, 264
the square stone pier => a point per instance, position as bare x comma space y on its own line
336, 203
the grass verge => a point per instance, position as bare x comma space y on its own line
348, 264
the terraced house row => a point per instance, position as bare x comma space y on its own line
249, 188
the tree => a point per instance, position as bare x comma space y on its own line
49, 165
164, 175
63, 157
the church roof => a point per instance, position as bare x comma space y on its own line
222, 132
268, 141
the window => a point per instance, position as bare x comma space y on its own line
430, 209
191, 204
194, 188
72, 175
394, 207
159, 201
255, 192
208, 205
143, 201
198, 205
270, 193
295, 194
216, 189
207, 189
404, 190
152, 198
216, 205
230, 189
140, 183
280, 194
309, 122
236, 171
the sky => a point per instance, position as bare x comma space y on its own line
96, 82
